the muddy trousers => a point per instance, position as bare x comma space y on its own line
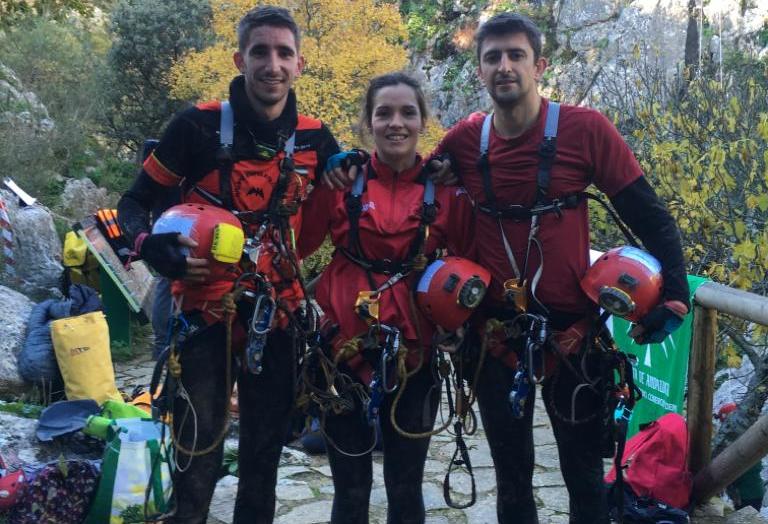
265, 404
403, 457
512, 445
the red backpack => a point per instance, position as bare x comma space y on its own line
656, 462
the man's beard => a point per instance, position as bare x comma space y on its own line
507, 99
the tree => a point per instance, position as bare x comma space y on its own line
14, 11
706, 153
149, 37
345, 43
56, 63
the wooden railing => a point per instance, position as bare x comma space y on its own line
711, 476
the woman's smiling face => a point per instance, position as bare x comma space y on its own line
396, 122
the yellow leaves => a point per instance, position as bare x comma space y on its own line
708, 155
717, 156
732, 356
345, 44
431, 136
734, 106
757, 202
739, 228
745, 250
762, 126
762, 202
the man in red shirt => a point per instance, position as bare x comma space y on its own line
549, 249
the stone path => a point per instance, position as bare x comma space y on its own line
305, 487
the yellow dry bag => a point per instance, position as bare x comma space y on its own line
82, 351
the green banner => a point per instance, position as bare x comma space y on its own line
661, 371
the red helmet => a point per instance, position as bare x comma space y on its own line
450, 289
218, 233
625, 281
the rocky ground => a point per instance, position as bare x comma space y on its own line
305, 487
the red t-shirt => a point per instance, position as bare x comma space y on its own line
388, 224
590, 150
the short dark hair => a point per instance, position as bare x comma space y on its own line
265, 15
509, 23
391, 79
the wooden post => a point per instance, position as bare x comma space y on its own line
729, 465
701, 374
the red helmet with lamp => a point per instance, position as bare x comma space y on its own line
218, 233
450, 289
625, 281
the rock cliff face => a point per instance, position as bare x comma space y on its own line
36, 249
602, 48
14, 310
19, 108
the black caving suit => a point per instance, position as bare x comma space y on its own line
187, 156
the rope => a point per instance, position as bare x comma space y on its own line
404, 375
347, 350
229, 305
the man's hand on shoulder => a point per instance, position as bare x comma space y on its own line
440, 171
664, 319
341, 168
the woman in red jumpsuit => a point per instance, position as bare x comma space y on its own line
390, 229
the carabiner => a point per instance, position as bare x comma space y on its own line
388, 353
261, 322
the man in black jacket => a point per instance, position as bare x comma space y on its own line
275, 157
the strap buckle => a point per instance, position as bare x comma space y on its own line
548, 147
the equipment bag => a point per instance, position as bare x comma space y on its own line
643, 510
80, 266
82, 350
60, 493
135, 471
656, 463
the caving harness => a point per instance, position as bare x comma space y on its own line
529, 326
415, 259
328, 390
271, 225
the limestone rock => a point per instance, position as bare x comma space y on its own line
314, 512
21, 447
81, 197
28, 114
37, 249
14, 310
746, 515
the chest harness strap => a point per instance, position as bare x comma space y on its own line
225, 159
517, 287
354, 250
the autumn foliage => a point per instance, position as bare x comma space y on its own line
345, 43
705, 151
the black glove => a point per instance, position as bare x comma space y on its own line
163, 252
654, 327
